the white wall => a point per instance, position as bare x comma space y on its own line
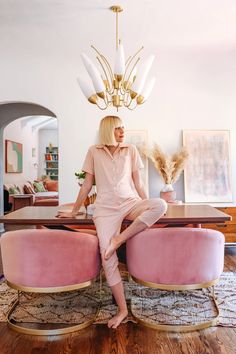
45, 136
196, 80
195, 90
21, 134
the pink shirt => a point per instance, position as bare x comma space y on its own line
113, 174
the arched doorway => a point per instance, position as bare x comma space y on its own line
10, 111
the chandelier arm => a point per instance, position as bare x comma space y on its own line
108, 99
127, 90
105, 61
108, 66
103, 108
131, 58
122, 90
106, 75
128, 60
131, 109
126, 104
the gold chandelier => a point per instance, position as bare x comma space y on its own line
126, 86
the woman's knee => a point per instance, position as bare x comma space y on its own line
159, 205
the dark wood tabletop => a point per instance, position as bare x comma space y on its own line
176, 214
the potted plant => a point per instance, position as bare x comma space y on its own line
92, 194
169, 168
80, 176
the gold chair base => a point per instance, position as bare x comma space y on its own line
45, 332
178, 327
50, 332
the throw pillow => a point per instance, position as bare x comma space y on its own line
39, 187
52, 186
28, 189
8, 186
14, 190
20, 187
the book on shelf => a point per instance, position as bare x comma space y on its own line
48, 157
51, 162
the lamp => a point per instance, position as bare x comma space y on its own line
126, 86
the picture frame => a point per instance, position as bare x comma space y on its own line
13, 157
139, 138
207, 174
33, 152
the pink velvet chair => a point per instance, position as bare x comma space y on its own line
176, 259
48, 261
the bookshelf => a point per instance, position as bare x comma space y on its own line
51, 162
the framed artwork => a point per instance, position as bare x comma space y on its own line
207, 175
139, 139
13, 157
33, 152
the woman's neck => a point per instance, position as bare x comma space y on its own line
112, 148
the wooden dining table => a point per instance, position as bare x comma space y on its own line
179, 215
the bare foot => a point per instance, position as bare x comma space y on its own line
114, 244
117, 319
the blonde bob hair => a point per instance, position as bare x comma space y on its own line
107, 129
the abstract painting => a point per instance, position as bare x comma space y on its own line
207, 175
13, 157
139, 139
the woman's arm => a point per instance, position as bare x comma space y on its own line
83, 193
139, 184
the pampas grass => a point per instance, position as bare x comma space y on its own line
169, 167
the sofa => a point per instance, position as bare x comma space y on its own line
40, 193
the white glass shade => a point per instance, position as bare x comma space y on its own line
119, 68
86, 88
148, 88
93, 73
142, 73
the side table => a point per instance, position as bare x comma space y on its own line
22, 200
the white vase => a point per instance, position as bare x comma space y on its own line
167, 188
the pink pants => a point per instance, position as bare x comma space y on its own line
147, 211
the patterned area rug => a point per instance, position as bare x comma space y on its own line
157, 306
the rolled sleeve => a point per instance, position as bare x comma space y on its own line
88, 165
136, 160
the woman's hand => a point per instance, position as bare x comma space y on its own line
64, 214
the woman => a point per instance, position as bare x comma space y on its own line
120, 194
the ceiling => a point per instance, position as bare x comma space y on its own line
51, 35
39, 122
66, 26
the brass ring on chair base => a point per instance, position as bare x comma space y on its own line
48, 332
175, 286
54, 289
174, 327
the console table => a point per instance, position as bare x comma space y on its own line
228, 228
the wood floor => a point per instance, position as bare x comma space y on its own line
128, 338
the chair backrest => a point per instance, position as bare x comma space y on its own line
7, 205
176, 255
49, 258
